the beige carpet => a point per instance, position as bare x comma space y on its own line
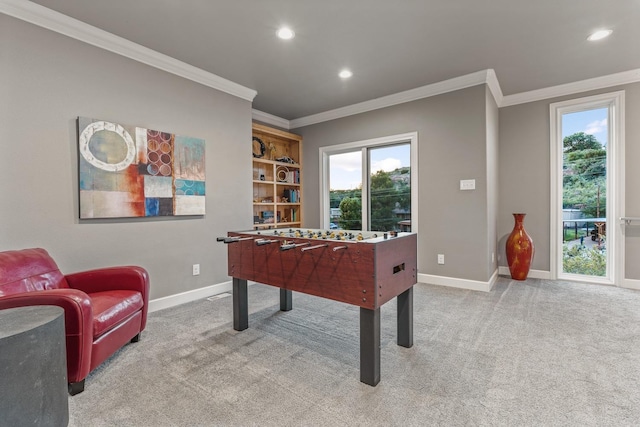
527, 353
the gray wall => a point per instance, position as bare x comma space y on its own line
46, 81
524, 168
452, 133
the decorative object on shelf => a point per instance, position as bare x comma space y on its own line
520, 249
272, 151
282, 172
285, 159
154, 173
258, 147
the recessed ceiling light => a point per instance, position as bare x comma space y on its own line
345, 74
598, 35
285, 33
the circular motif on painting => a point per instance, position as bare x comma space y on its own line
85, 151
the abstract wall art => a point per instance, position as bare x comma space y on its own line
127, 171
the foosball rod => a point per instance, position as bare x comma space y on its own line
337, 248
233, 239
265, 242
314, 247
293, 245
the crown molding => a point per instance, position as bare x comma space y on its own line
625, 77
270, 119
63, 24
457, 83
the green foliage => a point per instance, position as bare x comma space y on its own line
580, 141
389, 191
383, 201
336, 196
578, 259
584, 175
570, 234
351, 217
588, 163
583, 194
403, 195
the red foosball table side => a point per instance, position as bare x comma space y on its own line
367, 273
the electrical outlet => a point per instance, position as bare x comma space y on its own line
440, 258
196, 269
493, 257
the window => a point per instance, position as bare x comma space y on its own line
370, 185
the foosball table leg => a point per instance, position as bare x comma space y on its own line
405, 318
286, 300
370, 346
240, 305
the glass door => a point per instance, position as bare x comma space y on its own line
584, 192
370, 185
345, 194
390, 188
587, 188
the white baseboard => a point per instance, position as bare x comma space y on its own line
533, 274
631, 284
188, 296
453, 282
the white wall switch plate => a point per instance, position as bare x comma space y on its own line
467, 184
440, 258
196, 269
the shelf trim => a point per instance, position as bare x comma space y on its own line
275, 162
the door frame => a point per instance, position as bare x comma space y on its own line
614, 101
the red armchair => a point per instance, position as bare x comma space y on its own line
104, 308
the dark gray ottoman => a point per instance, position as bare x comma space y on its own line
33, 367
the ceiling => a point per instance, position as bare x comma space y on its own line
391, 46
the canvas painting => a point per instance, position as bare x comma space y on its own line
128, 171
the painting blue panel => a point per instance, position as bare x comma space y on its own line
86, 178
152, 206
185, 187
189, 158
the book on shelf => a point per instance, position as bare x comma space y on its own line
292, 196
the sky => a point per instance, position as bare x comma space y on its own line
593, 122
346, 168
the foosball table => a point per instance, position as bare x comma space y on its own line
362, 268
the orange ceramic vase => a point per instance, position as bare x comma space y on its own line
519, 249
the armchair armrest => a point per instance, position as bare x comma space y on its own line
113, 278
131, 278
78, 313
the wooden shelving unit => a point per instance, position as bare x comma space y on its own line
277, 178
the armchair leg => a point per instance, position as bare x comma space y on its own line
75, 388
136, 338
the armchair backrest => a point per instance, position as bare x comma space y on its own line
29, 270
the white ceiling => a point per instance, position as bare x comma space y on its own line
391, 46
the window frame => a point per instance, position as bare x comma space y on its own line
363, 146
